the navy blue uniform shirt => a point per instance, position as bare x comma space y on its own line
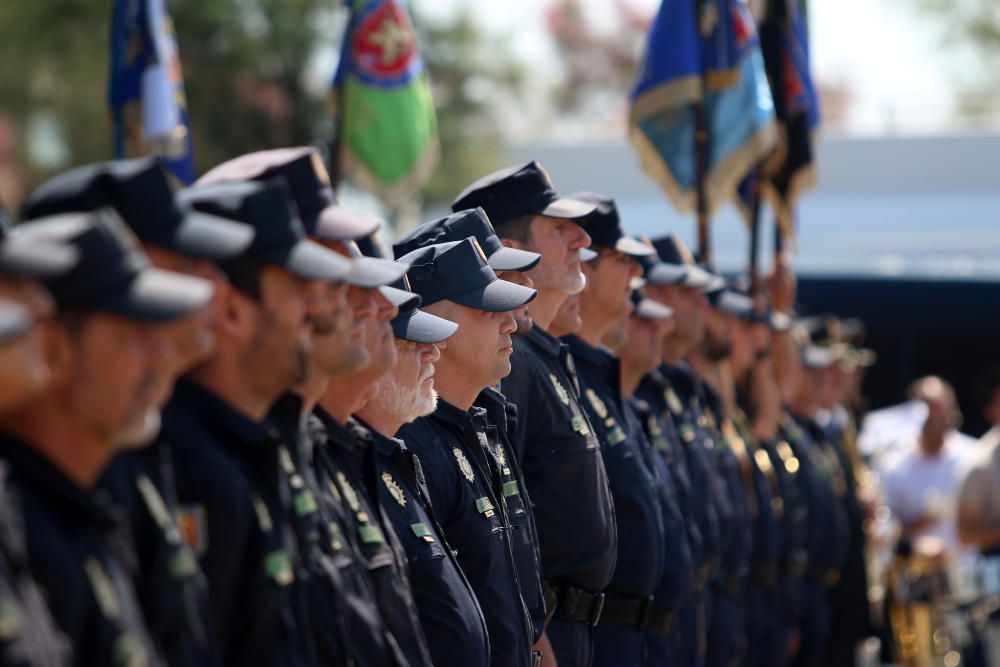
344, 460
31, 638
172, 588
562, 466
235, 512
639, 564
462, 475
449, 611
80, 553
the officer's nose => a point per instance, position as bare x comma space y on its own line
579, 238
508, 324
429, 353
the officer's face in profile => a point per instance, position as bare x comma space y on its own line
379, 339
333, 330
24, 374
608, 279
407, 392
521, 315
742, 356
277, 332
102, 368
567, 319
645, 342
718, 340
559, 242
689, 311
481, 347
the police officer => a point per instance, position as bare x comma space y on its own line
463, 470
106, 350
31, 637
673, 279
240, 502
639, 565
640, 353
502, 416
172, 588
555, 442
335, 448
449, 610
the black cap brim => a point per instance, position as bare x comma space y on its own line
373, 272
335, 223
417, 326
567, 209
513, 259
500, 296
633, 247
400, 298
310, 260
210, 237
14, 321
27, 255
156, 295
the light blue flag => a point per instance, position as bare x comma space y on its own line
708, 52
146, 87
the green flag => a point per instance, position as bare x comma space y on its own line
388, 128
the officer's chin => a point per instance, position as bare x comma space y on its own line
142, 433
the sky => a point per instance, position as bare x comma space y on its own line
893, 59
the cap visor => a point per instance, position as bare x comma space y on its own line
648, 309
815, 357
312, 261
633, 247
335, 223
211, 237
734, 304
587, 255
400, 298
373, 272
512, 259
14, 321
665, 274
569, 209
698, 277
28, 256
417, 326
499, 296
158, 295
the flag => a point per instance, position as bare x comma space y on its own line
701, 51
785, 44
146, 86
388, 127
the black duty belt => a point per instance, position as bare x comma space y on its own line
639, 613
570, 603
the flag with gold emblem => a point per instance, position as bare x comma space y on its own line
146, 87
388, 126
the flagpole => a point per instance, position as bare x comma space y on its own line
701, 169
755, 213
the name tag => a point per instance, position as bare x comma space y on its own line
485, 507
510, 489
305, 503
579, 425
422, 531
279, 567
371, 534
616, 436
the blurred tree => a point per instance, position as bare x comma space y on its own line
245, 68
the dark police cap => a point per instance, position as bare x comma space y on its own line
672, 250
370, 272
415, 325
519, 190
605, 227
457, 271
461, 225
141, 193
649, 309
113, 274
309, 184
731, 302
280, 238
14, 320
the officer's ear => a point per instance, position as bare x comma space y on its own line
513, 243
59, 350
232, 313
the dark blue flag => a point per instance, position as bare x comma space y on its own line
784, 40
702, 51
146, 86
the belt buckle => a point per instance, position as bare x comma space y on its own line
596, 610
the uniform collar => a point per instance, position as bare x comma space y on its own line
30, 469
600, 360
219, 415
347, 436
383, 445
453, 415
544, 341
